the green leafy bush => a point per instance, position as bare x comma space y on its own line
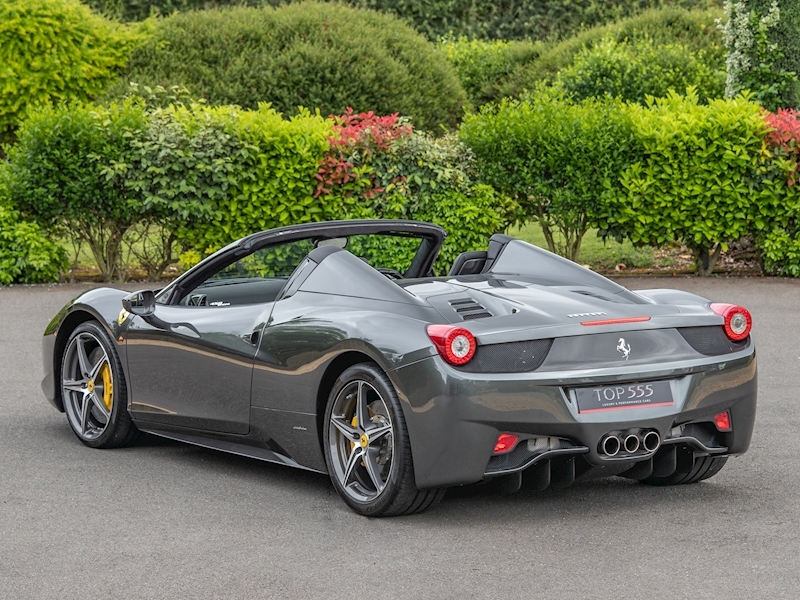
754, 62
704, 178
560, 160
26, 254
486, 19
779, 242
67, 173
385, 169
516, 19
632, 71
55, 50
483, 66
696, 31
270, 179
786, 39
320, 56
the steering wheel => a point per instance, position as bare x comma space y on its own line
391, 273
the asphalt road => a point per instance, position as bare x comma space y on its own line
167, 520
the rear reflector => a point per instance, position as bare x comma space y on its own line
505, 443
723, 421
616, 321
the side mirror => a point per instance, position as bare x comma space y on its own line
140, 303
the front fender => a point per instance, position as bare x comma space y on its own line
102, 305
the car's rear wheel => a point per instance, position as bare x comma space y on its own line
367, 449
690, 469
94, 391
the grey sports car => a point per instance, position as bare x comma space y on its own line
334, 347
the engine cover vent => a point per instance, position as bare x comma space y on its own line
469, 309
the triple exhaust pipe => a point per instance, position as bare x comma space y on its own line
630, 442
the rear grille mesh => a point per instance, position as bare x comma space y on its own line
468, 309
711, 340
511, 357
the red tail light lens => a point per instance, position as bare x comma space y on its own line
505, 443
738, 321
723, 421
455, 344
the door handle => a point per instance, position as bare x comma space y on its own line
251, 338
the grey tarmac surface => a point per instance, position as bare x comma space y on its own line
167, 520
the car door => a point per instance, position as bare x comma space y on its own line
191, 364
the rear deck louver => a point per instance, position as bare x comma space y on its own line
468, 309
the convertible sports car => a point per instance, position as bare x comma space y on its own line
334, 347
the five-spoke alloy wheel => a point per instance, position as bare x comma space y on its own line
93, 389
367, 448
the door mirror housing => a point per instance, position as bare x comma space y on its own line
141, 303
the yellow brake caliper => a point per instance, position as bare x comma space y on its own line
108, 386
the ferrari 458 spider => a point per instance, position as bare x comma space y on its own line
334, 347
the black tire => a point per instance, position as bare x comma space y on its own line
83, 376
690, 469
368, 486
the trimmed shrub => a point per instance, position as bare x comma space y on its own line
483, 66
517, 19
26, 254
271, 176
780, 241
56, 50
703, 179
67, 173
385, 169
560, 160
320, 56
633, 71
694, 30
486, 19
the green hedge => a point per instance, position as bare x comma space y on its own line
320, 56
484, 66
206, 176
27, 255
487, 19
703, 178
694, 30
56, 50
787, 37
560, 160
633, 71
67, 173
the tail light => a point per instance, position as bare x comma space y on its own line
738, 321
455, 344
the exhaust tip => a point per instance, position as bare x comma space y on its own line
631, 443
610, 445
651, 441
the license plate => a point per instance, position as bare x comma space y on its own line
622, 396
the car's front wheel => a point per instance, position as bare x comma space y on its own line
93, 389
367, 449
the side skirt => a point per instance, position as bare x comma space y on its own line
232, 448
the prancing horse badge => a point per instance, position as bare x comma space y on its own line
623, 348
